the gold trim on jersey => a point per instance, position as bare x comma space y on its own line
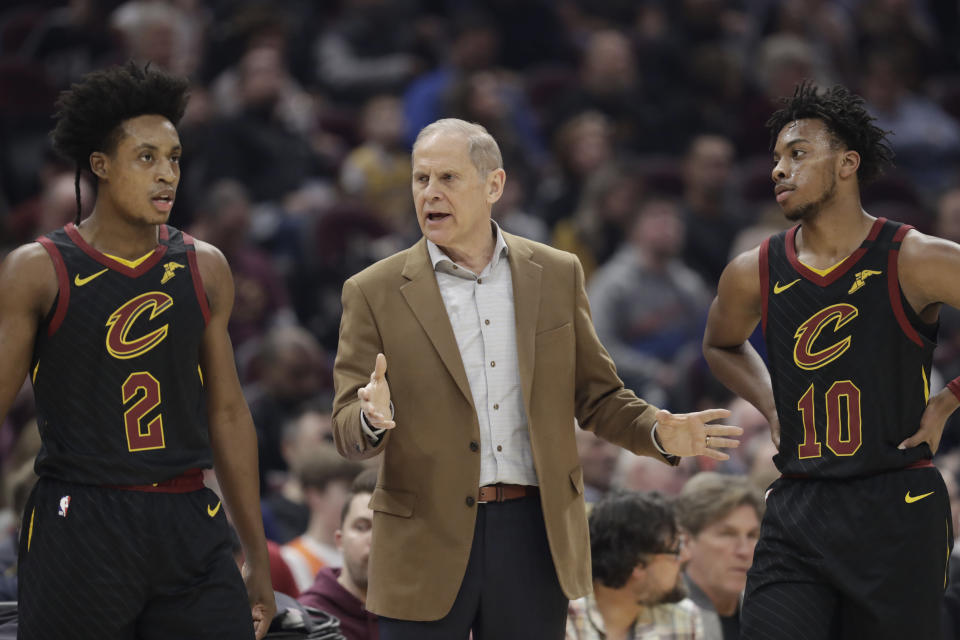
823, 272
133, 264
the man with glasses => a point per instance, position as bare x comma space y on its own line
638, 590
720, 517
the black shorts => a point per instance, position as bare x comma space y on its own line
852, 558
114, 564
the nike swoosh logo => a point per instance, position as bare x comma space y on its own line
212, 511
77, 280
780, 289
909, 499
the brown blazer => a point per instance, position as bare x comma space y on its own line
423, 505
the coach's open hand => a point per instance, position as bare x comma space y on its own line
375, 397
685, 434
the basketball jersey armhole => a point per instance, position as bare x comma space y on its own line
893, 288
764, 283
63, 285
197, 279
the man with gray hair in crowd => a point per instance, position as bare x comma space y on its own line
479, 520
720, 517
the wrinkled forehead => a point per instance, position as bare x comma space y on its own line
153, 130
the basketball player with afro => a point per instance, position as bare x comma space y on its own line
857, 531
120, 322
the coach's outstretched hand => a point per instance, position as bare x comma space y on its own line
688, 434
375, 397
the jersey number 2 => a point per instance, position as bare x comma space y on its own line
843, 397
144, 389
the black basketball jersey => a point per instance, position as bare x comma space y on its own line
849, 359
115, 370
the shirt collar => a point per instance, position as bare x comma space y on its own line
500, 248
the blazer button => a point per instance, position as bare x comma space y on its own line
474, 446
470, 501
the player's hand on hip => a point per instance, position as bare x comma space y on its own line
688, 434
932, 422
375, 397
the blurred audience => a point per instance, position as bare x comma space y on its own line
342, 592
325, 480
649, 307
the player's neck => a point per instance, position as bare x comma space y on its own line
831, 236
116, 236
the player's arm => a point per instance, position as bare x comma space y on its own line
28, 288
733, 316
232, 435
928, 268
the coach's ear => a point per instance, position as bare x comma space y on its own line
99, 164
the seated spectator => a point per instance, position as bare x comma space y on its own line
343, 592
648, 307
291, 370
720, 516
325, 478
377, 172
638, 589
285, 516
261, 300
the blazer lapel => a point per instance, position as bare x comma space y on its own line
525, 274
423, 296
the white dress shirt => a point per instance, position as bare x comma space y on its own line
481, 311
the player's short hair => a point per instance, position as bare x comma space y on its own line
364, 483
625, 527
846, 119
90, 113
483, 149
709, 496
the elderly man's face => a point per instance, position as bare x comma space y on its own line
453, 201
722, 552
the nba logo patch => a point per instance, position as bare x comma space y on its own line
64, 505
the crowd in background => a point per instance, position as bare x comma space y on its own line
632, 134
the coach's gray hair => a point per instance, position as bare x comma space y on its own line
483, 149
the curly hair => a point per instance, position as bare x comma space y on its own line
90, 113
846, 119
625, 526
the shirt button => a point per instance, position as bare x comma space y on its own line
486, 322
470, 501
496, 407
455, 267
492, 363
474, 446
479, 280
499, 447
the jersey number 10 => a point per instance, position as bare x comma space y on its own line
843, 397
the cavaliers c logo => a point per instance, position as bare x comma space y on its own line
808, 332
122, 320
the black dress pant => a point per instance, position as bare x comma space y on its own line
510, 590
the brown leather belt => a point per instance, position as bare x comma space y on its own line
503, 492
